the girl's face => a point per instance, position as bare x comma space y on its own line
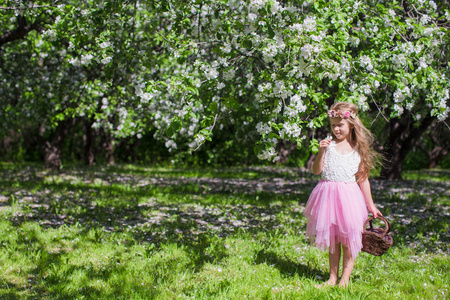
341, 128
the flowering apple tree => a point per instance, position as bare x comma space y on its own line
268, 68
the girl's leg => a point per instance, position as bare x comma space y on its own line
347, 266
334, 259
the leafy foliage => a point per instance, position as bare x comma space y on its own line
190, 70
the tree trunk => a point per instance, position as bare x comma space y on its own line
109, 147
437, 136
436, 155
53, 146
286, 148
403, 136
89, 138
310, 161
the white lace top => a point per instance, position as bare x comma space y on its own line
338, 167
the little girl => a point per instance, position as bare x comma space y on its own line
336, 209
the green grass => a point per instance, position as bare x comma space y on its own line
433, 175
130, 232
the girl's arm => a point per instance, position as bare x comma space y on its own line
318, 162
365, 188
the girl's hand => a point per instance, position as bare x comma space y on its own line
375, 212
323, 144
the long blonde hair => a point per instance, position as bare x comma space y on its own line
361, 139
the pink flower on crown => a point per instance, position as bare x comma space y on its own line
341, 114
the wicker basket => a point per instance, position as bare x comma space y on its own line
376, 241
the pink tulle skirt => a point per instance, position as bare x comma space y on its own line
336, 213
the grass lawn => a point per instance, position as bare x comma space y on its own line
130, 232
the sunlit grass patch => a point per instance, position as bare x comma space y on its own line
427, 175
130, 232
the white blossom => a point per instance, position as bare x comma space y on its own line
263, 128
306, 51
223, 61
255, 5
146, 97
392, 13
211, 73
425, 19
362, 103
345, 66
106, 60
366, 89
171, 145
276, 7
433, 5
309, 24
229, 74
295, 107
269, 52
290, 131
249, 78
226, 48
85, 59
280, 90
366, 62
400, 95
354, 41
50, 34
105, 45
252, 17
423, 63
264, 86
399, 59
267, 154
398, 109
429, 31
443, 116
297, 27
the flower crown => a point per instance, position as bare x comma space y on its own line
341, 114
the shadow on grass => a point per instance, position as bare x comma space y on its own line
193, 214
11, 292
287, 266
189, 211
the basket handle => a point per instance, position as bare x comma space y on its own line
388, 225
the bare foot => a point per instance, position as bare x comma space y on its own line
325, 284
343, 284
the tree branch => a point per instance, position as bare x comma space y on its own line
28, 7
20, 32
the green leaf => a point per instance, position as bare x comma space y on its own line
176, 124
169, 131
231, 103
193, 90
317, 5
271, 32
213, 106
314, 146
315, 98
257, 149
248, 44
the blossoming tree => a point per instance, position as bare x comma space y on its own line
269, 68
